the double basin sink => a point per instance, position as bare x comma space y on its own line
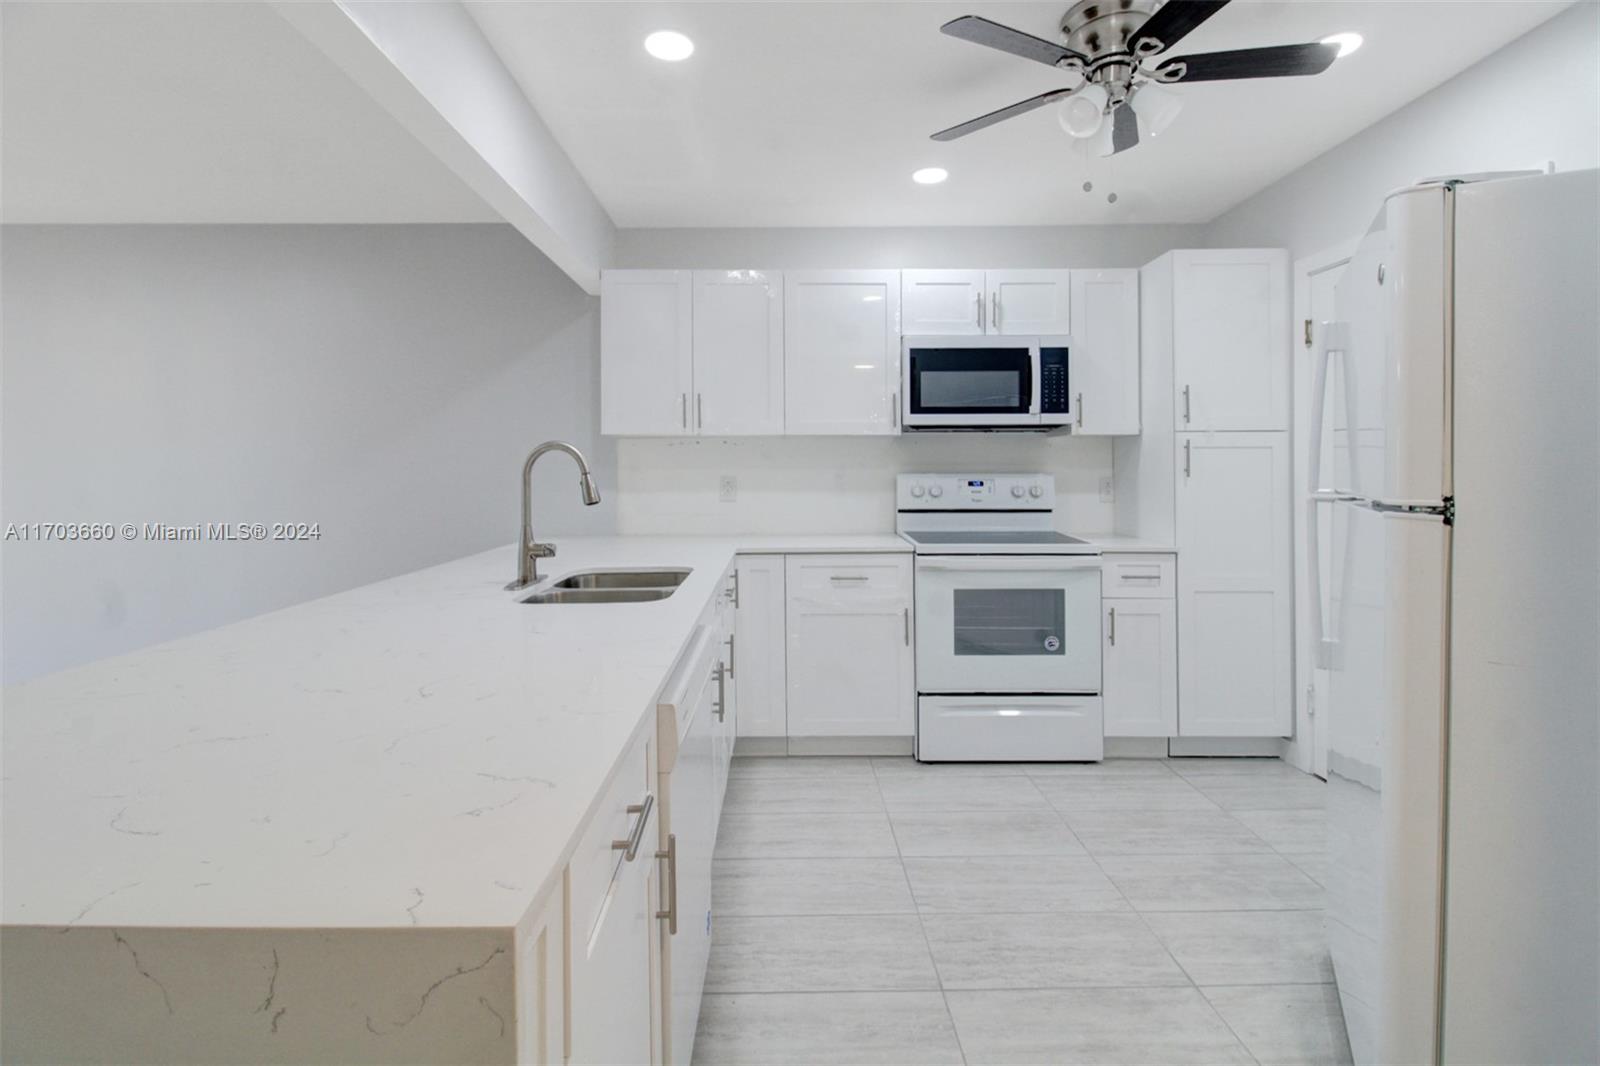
611, 586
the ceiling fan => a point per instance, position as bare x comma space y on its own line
1107, 41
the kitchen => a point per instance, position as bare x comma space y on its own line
944, 649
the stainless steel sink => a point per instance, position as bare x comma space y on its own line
623, 579
600, 595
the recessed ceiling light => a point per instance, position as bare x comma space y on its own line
1347, 42
669, 45
930, 175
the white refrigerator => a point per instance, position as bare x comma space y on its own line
1456, 461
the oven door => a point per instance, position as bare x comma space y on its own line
971, 381
1008, 624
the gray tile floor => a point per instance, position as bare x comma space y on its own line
1134, 911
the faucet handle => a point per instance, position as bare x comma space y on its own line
541, 551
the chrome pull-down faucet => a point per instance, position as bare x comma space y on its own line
529, 552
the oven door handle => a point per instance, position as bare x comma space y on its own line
979, 563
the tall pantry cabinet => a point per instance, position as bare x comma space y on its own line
1210, 473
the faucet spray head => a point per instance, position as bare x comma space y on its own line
591, 493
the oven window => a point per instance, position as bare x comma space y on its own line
964, 381
1009, 621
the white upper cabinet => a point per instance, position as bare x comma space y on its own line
841, 352
646, 352
1104, 370
1016, 302
738, 353
942, 301
1030, 301
1230, 339
1234, 585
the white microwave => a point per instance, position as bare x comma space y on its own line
977, 383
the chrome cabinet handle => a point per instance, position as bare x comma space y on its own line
1080, 410
721, 706
1186, 405
730, 654
994, 310
905, 614
977, 298
683, 409
736, 588
630, 846
1186, 457
699, 411
1113, 627
671, 855
847, 577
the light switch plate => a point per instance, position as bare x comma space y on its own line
727, 488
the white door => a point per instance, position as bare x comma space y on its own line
849, 636
738, 352
646, 353
1008, 623
758, 651
942, 302
1023, 302
1234, 584
841, 353
1140, 688
1230, 337
1104, 368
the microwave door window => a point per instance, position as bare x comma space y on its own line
996, 622
972, 390
966, 381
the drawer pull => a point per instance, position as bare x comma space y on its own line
848, 577
671, 855
731, 637
721, 706
630, 846
1113, 627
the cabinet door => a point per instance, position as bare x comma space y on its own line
542, 984
1230, 339
1105, 351
691, 822
849, 637
1030, 301
1233, 585
1141, 668
942, 301
738, 353
615, 984
759, 673
646, 345
841, 352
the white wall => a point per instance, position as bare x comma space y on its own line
1535, 101
384, 381
837, 484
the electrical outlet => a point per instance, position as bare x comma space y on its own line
1108, 493
727, 488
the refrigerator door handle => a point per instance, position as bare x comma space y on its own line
1332, 337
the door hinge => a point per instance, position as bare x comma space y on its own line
1308, 333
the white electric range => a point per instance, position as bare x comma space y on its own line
1008, 621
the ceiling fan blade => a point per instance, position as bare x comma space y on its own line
980, 30
984, 121
1124, 129
1171, 23
1280, 61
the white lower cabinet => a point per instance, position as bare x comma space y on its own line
541, 979
1140, 667
614, 965
760, 674
849, 639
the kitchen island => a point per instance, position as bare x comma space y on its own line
314, 835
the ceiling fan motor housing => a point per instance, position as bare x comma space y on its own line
1103, 29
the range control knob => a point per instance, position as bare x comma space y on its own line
935, 491
1018, 491
917, 491
1036, 491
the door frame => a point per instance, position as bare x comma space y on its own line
1308, 748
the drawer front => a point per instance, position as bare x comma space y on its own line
1151, 576
997, 729
595, 862
846, 579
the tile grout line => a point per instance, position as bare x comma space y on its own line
927, 944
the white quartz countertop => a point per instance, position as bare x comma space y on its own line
421, 751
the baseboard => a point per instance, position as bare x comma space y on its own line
850, 745
1136, 747
760, 746
1258, 747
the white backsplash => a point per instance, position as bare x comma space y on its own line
836, 484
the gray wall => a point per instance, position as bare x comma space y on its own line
384, 381
1535, 101
895, 247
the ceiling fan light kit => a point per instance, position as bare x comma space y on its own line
1108, 42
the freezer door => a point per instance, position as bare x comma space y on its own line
1382, 373
1386, 720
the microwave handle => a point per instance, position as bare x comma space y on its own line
990, 563
1035, 354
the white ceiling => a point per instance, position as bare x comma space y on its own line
199, 112
815, 113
